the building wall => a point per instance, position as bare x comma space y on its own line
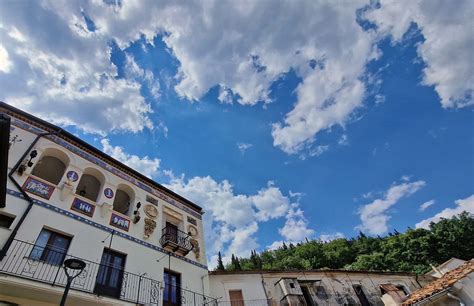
250, 284
91, 234
337, 285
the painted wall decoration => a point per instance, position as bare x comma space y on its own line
28, 127
109, 193
192, 230
192, 221
150, 226
119, 222
72, 176
151, 211
196, 248
90, 222
38, 188
151, 200
83, 207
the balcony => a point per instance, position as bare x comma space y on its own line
29, 261
175, 240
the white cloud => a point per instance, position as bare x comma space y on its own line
296, 226
242, 146
343, 141
232, 220
5, 63
145, 165
462, 205
447, 47
331, 237
427, 204
242, 47
65, 71
374, 216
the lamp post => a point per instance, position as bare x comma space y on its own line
75, 265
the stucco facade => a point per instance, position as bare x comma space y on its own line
331, 287
87, 217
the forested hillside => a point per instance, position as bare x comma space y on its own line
412, 251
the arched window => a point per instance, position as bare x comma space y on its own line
51, 166
123, 199
90, 184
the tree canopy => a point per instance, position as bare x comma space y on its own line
412, 251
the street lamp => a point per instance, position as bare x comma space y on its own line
75, 265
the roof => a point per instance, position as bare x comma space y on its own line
446, 266
261, 271
65, 134
388, 287
441, 284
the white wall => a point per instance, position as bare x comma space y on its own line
88, 233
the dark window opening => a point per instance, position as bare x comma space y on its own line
307, 296
50, 168
361, 295
292, 285
110, 275
402, 288
50, 247
6, 221
172, 291
321, 292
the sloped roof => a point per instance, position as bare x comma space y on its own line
443, 283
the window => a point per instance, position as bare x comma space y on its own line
307, 296
50, 247
90, 184
236, 298
123, 198
321, 292
110, 275
51, 166
402, 288
6, 220
172, 291
361, 295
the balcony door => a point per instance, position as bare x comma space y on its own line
172, 232
172, 292
110, 275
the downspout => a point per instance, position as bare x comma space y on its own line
6, 246
461, 303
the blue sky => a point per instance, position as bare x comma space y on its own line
283, 120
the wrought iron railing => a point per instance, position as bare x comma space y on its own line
173, 236
175, 295
44, 264
246, 303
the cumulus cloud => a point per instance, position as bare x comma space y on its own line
375, 217
462, 205
61, 70
296, 226
447, 47
232, 220
145, 165
427, 204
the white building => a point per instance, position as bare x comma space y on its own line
317, 287
142, 243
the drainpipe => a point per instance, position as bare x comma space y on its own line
6, 246
461, 303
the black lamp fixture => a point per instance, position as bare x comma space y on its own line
29, 163
136, 213
72, 267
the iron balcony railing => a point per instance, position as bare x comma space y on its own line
246, 303
175, 295
44, 264
175, 239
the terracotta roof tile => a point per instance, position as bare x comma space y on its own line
442, 283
